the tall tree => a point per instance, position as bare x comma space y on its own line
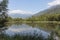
3, 10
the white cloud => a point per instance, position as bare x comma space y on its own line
54, 2
19, 12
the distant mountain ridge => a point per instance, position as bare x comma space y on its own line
50, 14
20, 15
53, 9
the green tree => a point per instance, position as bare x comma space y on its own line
3, 11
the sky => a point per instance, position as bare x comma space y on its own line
30, 6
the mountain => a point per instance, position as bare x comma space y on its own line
20, 15
50, 14
51, 10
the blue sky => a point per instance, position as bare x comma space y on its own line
30, 6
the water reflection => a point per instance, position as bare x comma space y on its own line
3, 30
23, 29
30, 29
48, 27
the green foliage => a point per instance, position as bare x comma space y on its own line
17, 19
3, 11
46, 17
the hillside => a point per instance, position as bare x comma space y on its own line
50, 14
51, 10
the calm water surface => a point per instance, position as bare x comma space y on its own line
23, 29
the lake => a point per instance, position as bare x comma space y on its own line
22, 29
27, 29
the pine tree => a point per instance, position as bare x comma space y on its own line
3, 11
